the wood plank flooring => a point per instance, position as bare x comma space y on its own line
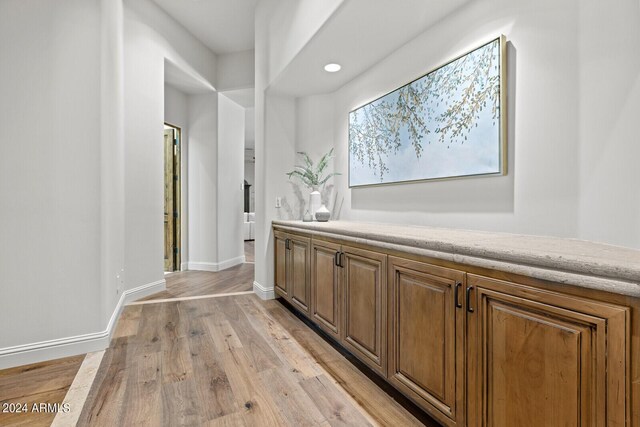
249, 250
46, 382
230, 361
196, 283
223, 361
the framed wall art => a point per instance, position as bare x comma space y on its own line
449, 123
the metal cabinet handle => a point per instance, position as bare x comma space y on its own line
456, 296
287, 244
342, 259
469, 309
335, 259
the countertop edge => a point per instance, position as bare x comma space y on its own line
603, 280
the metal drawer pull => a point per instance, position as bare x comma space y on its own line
456, 296
469, 309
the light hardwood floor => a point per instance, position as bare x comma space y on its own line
249, 250
217, 361
229, 361
46, 382
197, 283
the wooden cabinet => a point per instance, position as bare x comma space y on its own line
348, 288
426, 336
540, 358
292, 276
325, 286
364, 330
471, 346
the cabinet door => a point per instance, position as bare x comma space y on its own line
298, 274
325, 294
538, 358
281, 254
426, 336
365, 301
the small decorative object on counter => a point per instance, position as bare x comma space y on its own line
307, 216
323, 214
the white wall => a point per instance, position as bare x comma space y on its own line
539, 194
230, 182
151, 36
282, 28
570, 152
275, 155
203, 180
50, 285
573, 82
112, 160
609, 79
166, 36
314, 134
62, 175
263, 285
175, 108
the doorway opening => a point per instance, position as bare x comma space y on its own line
172, 213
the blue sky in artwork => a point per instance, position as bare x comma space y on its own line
478, 154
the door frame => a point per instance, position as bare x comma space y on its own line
177, 193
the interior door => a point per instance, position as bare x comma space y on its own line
169, 201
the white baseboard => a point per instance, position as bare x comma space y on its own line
144, 291
25, 354
215, 266
262, 292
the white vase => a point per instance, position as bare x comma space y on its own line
323, 214
315, 201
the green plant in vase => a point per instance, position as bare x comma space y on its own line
312, 177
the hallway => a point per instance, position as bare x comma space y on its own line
229, 360
215, 360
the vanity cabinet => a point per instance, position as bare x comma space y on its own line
471, 346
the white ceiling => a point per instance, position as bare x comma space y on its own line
223, 25
358, 35
183, 81
243, 97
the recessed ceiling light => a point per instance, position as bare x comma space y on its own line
332, 68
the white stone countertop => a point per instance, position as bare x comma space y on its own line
562, 260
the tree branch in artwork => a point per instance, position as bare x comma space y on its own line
446, 102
